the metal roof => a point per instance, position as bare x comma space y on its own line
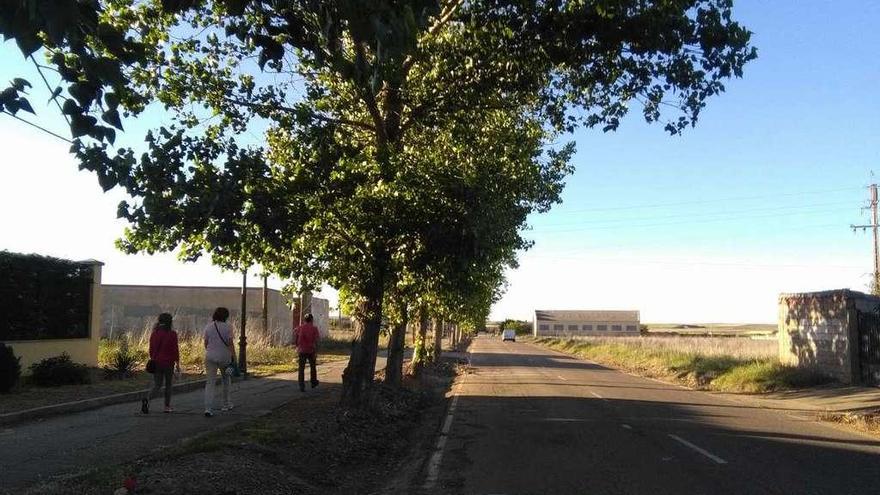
586, 315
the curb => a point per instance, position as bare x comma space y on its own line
98, 402
93, 403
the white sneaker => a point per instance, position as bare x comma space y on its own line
227, 407
209, 414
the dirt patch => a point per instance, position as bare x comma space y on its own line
309, 446
867, 422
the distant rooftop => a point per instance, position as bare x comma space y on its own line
585, 315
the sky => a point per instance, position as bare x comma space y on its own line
710, 226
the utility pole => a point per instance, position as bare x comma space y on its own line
875, 286
242, 340
265, 305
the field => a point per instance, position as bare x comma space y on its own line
739, 348
712, 363
713, 329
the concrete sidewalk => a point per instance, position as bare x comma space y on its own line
40, 450
831, 398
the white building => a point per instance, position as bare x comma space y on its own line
579, 322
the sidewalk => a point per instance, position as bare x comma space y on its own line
40, 450
831, 398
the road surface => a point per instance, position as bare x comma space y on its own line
533, 421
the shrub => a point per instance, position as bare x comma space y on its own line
123, 361
10, 368
59, 370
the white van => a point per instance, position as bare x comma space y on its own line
508, 335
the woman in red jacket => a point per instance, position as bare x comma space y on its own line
165, 353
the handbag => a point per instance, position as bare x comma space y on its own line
232, 367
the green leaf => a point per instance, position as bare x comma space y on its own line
55, 93
112, 117
20, 84
82, 125
70, 108
25, 105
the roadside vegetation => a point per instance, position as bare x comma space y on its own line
724, 364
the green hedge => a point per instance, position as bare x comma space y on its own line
43, 297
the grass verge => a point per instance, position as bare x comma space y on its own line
711, 372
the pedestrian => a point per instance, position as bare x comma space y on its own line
305, 338
219, 355
165, 360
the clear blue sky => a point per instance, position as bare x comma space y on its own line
708, 226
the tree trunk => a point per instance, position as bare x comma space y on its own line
438, 338
357, 375
420, 347
394, 365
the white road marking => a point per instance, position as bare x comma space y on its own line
628, 427
437, 456
705, 452
597, 395
562, 378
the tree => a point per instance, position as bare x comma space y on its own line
346, 91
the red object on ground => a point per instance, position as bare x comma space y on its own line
163, 347
130, 483
306, 337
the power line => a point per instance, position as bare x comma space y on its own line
632, 261
47, 131
665, 224
706, 214
716, 200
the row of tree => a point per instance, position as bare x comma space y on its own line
389, 148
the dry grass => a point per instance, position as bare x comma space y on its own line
731, 365
867, 422
739, 348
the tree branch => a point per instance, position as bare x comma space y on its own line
314, 115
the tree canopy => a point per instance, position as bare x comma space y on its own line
404, 143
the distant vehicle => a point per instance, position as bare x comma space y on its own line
508, 335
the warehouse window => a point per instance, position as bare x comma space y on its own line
630, 328
616, 328
543, 326
588, 328
601, 328
572, 328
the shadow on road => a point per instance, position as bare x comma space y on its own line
559, 444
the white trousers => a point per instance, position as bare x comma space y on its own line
211, 368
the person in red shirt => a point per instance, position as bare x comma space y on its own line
305, 338
165, 353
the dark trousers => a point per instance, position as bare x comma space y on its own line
162, 374
310, 356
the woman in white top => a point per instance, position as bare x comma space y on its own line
219, 354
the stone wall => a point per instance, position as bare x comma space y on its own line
820, 330
133, 309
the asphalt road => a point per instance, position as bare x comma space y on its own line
532, 421
41, 450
